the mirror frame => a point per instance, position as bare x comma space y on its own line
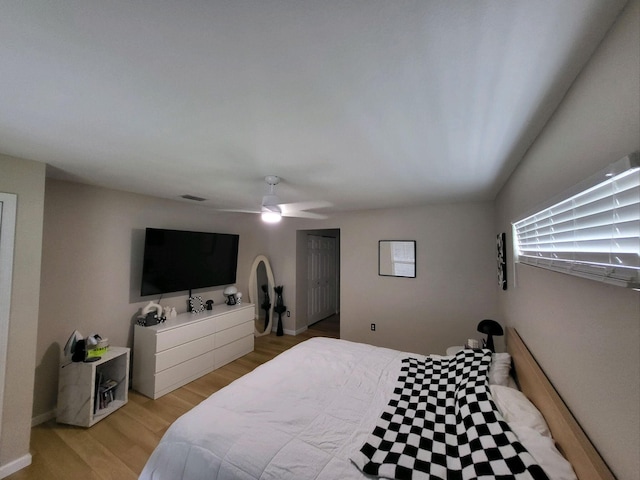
254, 293
380, 248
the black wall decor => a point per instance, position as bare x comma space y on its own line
502, 260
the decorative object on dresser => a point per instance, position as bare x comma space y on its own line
169, 355
89, 391
196, 304
151, 314
230, 293
490, 328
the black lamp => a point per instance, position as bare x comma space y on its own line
491, 328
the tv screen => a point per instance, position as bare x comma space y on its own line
176, 260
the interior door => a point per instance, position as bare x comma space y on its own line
7, 233
321, 278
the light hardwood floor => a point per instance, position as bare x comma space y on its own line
119, 446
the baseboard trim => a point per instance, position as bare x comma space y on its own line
15, 465
286, 331
295, 332
44, 417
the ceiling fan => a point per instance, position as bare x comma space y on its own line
272, 210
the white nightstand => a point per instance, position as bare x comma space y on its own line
82, 400
455, 349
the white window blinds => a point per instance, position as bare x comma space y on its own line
594, 232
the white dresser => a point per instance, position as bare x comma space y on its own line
171, 354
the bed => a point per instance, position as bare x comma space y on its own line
325, 410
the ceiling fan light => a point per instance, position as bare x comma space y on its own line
271, 217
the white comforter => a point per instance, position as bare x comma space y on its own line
299, 416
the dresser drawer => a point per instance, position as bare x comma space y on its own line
184, 372
234, 333
233, 350
182, 353
234, 318
187, 333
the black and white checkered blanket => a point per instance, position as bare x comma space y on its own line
442, 424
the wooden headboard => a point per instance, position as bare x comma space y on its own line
569, 436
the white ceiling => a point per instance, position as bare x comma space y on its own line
364, 103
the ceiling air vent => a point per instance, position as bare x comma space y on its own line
191, 197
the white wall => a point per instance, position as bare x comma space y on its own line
455, 284
586, 335
25, 179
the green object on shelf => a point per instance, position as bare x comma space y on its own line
97, 352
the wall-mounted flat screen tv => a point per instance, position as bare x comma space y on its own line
176, 260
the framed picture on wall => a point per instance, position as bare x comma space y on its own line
502, 260
397, 258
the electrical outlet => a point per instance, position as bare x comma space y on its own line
373, 327
288, 313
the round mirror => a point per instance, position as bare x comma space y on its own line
261, 285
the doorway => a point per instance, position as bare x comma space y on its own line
8, 204
318, 274
321, 278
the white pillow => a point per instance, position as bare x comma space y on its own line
499, 369
544, 452
511, 383
516, 409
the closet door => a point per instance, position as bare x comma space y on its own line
321, 278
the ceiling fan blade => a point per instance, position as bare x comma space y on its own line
271, 208
303, 214
311, 205
271, 203
237, 210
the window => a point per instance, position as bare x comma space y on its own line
592, 231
